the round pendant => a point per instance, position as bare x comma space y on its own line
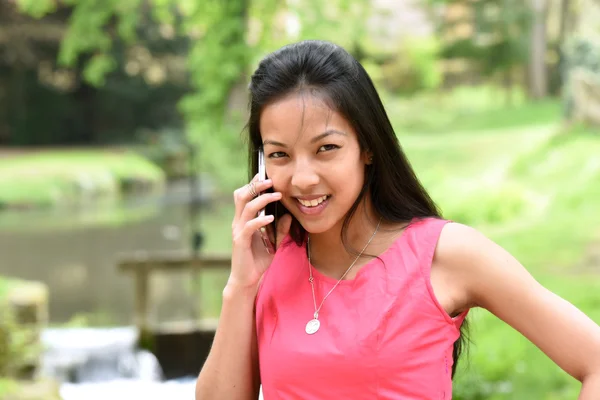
312, 326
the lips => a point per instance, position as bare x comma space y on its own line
312, 205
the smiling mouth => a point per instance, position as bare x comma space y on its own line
314, 202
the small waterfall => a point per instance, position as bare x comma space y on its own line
101, 363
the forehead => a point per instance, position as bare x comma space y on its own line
300, 116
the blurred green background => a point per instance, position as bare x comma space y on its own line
121, 131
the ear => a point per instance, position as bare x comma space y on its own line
367, 157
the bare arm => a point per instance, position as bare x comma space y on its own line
231, 369
494, 280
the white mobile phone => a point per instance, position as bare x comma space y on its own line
262, 173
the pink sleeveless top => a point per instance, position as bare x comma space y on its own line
383, 335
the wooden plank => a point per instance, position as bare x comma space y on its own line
143, 264
186, 326
141, 299
172, 261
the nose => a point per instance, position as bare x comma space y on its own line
304, 175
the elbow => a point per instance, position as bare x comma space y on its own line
202, 392
199, 393
592, 377
590, 374
590, 388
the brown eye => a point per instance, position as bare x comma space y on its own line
277, 154
327, 147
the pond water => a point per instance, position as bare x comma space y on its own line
75, 251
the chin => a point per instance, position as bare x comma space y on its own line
316, 226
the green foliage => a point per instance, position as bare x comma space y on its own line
415, 67
500, 34
223, 41
36, 8
88, 34
217, 61
97, 68
342, 21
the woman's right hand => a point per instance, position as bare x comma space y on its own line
250, 259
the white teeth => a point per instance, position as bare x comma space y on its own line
312, 203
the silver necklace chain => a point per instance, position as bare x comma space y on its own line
314, 324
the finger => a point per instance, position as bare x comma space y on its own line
256, 224
244, 194
240, 196
253, 207
244, 234
283, 228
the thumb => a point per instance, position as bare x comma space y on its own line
283, 228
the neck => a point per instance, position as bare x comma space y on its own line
328, 253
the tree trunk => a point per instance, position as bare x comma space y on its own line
565, 11
563, 28
537, 63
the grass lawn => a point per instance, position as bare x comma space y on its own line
54, 177
534, 191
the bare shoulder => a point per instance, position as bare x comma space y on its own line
458, 242
461, 250
488, 276
478, 265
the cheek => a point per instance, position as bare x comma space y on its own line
350, 171
279, 177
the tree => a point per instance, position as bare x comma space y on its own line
489, 33
538, 76
224, 39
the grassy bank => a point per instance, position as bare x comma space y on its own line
533, 188
469, 109
59, 177
536, 194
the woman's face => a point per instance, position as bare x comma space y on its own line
314, 159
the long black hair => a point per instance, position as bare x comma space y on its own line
329, 71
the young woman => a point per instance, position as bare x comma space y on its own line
369, 286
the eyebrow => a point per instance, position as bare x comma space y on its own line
321, 136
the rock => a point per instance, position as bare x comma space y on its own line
29, 301
25, 311
35, 390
